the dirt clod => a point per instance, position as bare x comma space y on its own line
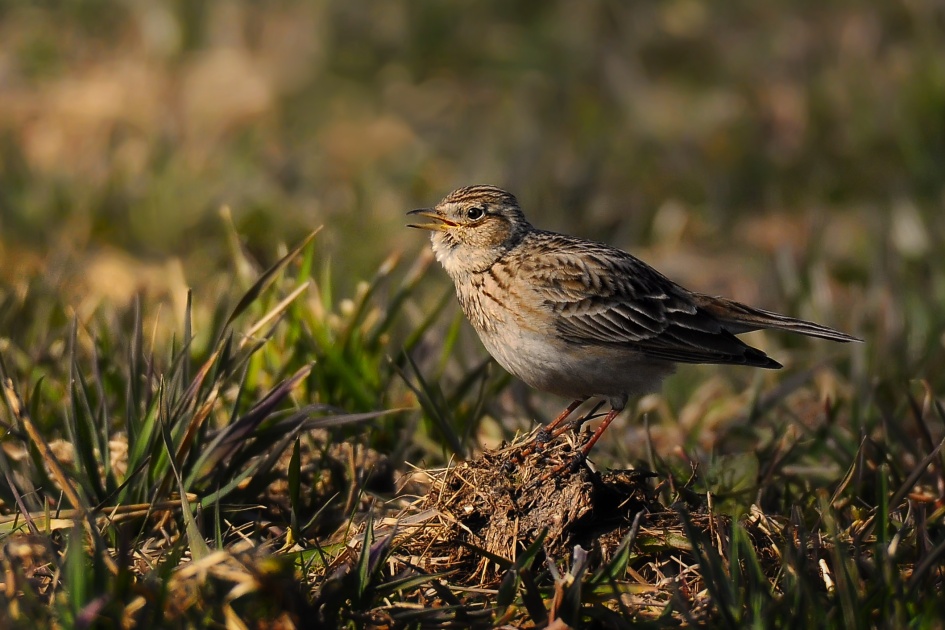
500, 505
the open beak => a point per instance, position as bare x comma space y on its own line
442, 223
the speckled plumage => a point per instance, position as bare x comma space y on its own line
579, 318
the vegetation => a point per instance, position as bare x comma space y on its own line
211, 419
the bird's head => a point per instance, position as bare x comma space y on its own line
473, 227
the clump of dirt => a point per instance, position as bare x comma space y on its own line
500, 502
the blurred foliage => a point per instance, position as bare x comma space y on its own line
129, 123
800, 143
784, 154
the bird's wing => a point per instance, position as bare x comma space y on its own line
604, 296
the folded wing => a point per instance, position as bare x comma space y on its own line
604, 296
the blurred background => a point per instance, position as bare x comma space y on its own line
785, 153
790, 154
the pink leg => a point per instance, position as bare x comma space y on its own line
600, 430
577, 425
579, 458
547, 432
564, 415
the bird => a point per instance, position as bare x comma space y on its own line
579, 318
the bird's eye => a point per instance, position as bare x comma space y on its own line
475, 213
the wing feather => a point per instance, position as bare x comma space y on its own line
604, 296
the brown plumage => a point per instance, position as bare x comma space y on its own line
579, 318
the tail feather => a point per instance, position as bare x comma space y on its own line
740, 318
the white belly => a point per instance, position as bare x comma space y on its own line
576, 371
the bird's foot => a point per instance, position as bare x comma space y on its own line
536, 445
572, 464
556, 429
575, 461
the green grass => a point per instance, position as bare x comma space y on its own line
831, 518
190, 437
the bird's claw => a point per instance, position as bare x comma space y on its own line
577, 461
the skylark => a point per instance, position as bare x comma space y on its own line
582, 319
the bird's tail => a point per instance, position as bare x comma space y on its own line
739, 318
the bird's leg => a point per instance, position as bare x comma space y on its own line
548, 432
577, 423
600, 431
575, 462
